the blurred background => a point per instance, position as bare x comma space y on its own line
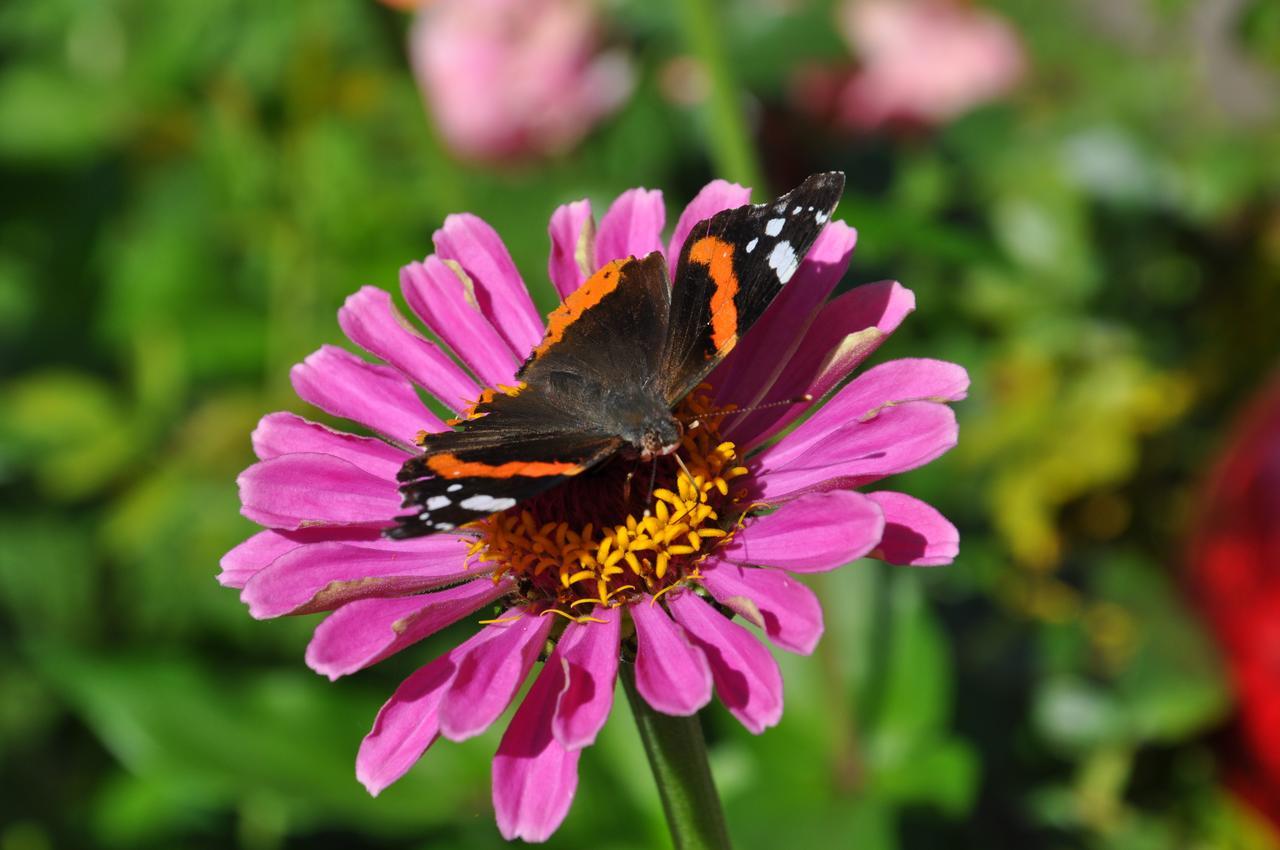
1084, 195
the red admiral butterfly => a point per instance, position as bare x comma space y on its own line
618, 354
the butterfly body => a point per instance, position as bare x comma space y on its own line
618, 356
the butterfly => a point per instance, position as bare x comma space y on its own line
618, 355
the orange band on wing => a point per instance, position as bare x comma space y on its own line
487, 395
717, 256
583, 298
449, 466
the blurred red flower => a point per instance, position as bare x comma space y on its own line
1235, 578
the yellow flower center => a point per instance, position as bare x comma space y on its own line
604, 538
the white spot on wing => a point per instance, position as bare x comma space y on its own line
444, 526
774, 226
782, 259
453, 488
435, 503
821, 217
751, 246
489, 504
796, 210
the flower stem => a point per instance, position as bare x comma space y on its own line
731, 147
678, 758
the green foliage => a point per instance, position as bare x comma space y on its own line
190, 191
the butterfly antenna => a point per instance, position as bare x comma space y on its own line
731, 410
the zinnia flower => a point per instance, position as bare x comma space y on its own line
921, 62
597, 567
512, 78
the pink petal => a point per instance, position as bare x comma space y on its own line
534, 775
378, 397
787, 610
572, 246
409, 722
406, 726
588, 652
716, 196
324, 576
473, 244
366, 631
846, 331
899, 438
671, 673
299, 490
632, 227
372, 322
747, 678
744, 378
914, 532
818, 532
441, 299
280, 434
490, 675
877, 388
254, 555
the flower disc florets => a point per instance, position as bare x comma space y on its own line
605, 538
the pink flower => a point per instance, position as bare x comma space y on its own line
923, 61
655, 586
512, 78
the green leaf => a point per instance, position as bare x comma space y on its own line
46, 588
909, 692
47, 115
1077, 716
1174, 686
70, 429
286, 740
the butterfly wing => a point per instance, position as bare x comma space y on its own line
731, 268
525, 445
602, 345
609, 331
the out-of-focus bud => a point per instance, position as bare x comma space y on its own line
512, 79
920, 63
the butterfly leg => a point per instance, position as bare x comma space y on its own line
653, 480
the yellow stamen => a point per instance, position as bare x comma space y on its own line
510, 619
645, 546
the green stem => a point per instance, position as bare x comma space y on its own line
678, 758
731, 146
846, 756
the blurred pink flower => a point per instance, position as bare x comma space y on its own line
921, 62
662, 585
507, 79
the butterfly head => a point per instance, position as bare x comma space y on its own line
642, 419
660, 437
